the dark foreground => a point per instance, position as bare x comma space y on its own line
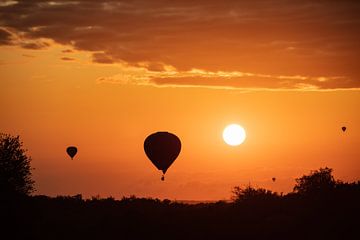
333, 215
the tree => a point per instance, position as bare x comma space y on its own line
15, 170
250, 193
316, 183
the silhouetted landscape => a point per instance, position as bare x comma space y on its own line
317, 209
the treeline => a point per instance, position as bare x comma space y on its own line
320, 207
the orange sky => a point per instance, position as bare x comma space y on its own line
103, 76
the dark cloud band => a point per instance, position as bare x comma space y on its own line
311, 38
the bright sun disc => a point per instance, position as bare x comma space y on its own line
234, 134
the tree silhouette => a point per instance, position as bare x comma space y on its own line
250, 193
15, 170
316, 183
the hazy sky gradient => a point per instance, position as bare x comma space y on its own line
102, 75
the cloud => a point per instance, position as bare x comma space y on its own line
274, 37
102, 58
34, 45
67, 51
11, 37
5, 37
226, 80
7, 3
67, 59
28, 55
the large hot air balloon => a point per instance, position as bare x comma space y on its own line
343, 129
162, 148
71, 151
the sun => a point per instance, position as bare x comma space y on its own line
234, 134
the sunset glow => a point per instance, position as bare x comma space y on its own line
103, 75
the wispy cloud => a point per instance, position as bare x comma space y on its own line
224, 80
102, 58
67, 59
12, 37
5, 37
67, 51
28, 55
34, 45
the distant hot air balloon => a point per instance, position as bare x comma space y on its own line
343, 129
273, 179
162, 148
71, 151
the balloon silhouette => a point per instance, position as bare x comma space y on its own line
162, 148
273, 179
71, 151
343, 129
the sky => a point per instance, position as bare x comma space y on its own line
103, 75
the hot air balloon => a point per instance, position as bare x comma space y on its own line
273, 179
71, 151
343, 129
162, 148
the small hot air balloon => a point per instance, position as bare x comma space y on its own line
71, 151
162, 148
343, 129
273, 179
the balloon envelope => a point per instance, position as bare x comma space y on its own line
162, 148
343, 129
71, 151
